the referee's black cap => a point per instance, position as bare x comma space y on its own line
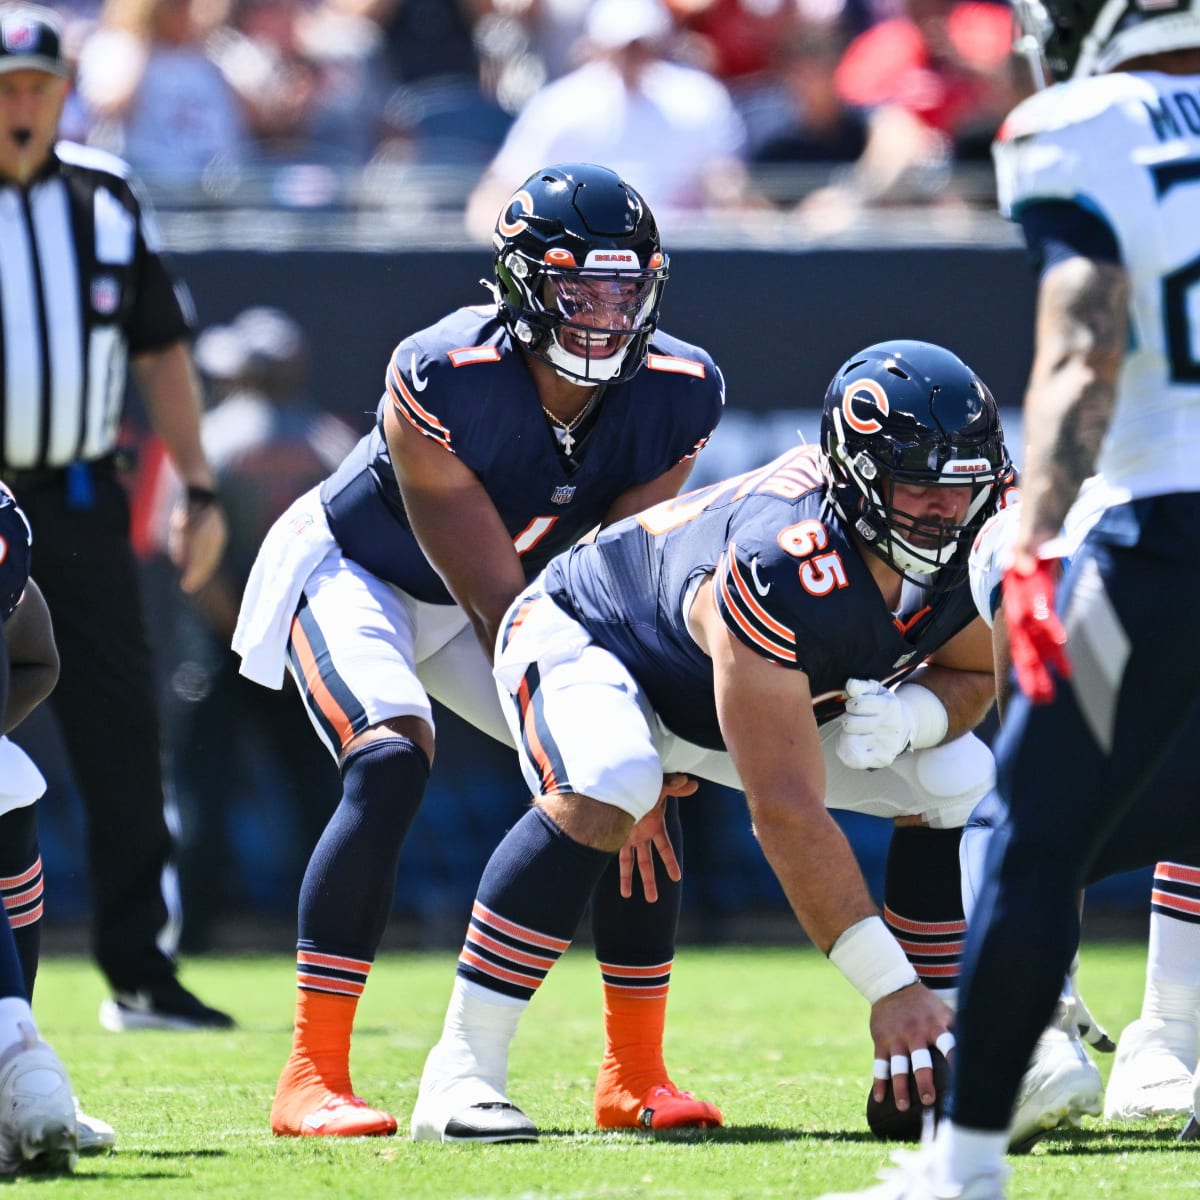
31, 39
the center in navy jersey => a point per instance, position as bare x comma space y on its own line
464, 383
788, 581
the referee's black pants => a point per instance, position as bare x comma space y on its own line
106, 703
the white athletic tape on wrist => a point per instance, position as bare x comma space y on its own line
871, 959
883, 1069
922, 1059
930, 721
945, 1042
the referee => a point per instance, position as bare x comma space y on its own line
82, 292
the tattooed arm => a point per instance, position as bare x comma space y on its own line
1081, 335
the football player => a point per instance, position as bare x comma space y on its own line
740, 633
1157, 1053
507, 431
1102, 172
37, 1111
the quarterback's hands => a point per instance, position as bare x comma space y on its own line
904, 1025
195, 542
1037, 640
650, 834
876, 728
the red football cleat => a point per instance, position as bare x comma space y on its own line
666, 1107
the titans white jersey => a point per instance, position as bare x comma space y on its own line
1126, 148
992, 549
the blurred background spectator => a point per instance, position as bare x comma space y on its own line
938, 80
803, 119
312, 79
151, 92
670, 129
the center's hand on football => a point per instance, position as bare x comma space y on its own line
905, 1024
650, 834
1037, 640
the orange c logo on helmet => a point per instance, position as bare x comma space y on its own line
522, 201
866, 391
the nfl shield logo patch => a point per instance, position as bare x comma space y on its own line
105, 295
563, 495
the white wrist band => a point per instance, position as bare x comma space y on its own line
872, 960
929, 716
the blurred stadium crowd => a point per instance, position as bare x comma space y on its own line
725, 104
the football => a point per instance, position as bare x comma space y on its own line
889, 1123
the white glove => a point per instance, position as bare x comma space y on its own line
879, 725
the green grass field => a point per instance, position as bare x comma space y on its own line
774, 1036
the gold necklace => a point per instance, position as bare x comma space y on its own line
563, 429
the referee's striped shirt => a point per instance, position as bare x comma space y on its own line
82, 287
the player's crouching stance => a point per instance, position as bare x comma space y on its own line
715, 634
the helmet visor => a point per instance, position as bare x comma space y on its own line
600, 312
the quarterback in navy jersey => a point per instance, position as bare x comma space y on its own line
759, 633
464, 384
506, 432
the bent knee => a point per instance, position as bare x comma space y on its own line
413, 728
594, 823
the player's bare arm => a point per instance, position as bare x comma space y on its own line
457, 526
1081, 338
767, 723
33, 657
962, 676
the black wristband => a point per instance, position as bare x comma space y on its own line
200, 497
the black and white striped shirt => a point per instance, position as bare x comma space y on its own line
82, 287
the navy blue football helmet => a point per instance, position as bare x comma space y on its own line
580, 271
911, 413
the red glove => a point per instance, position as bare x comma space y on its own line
1036, 637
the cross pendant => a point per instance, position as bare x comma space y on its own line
566, 440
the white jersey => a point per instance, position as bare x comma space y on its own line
1127, 147
992, 549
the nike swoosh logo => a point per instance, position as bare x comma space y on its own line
417, 382
758, 587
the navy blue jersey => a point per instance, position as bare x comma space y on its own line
788, 581
465, 384
15, 542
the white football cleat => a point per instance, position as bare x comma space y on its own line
93, 1135
456, 1102
37, 1110
1152, 1073
911, 1178
1061, 1086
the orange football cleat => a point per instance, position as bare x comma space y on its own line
666, 1107
338, 1116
